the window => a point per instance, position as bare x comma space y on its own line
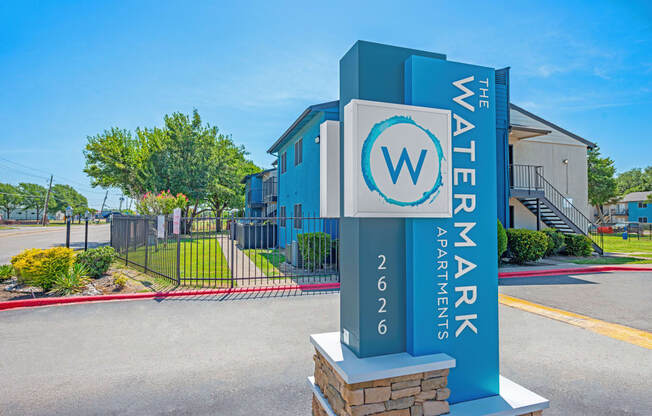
298, 152
282, 215
642, 219
642, 205
297, 216
284, 160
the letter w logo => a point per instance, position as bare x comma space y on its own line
394, 172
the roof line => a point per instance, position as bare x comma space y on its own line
303, 115
554, 126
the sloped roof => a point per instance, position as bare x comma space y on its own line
552, 125
636, 196
301, 121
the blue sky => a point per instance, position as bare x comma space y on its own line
72, 69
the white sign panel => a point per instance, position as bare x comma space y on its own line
176, 220
160, 227
397, 160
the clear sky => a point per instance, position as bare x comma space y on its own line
70, 69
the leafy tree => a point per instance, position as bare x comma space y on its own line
602, 184
184, 156
33, 196
229, 167
65, 195
635, 180
9, 198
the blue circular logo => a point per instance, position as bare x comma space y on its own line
422, 190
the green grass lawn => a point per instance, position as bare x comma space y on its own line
200, 259
4, 227
616, 244
609, 260
267, 260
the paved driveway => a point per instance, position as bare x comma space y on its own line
620, 297
15, 240
251, 356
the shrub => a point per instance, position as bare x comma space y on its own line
315, 248
578, 245
97, 260
6, 271
40, 267
120, 280
71, 281
555, 241
502, 240
526, 245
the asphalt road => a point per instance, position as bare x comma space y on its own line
208, 356
620, 298
15, 240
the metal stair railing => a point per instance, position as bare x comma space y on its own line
574, 215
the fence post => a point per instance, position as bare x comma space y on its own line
127, 232
179, 258
146, 229
86, 235
232, 234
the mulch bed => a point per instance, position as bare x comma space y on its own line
101, 286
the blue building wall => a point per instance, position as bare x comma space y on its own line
502, 144
300, 184
636, 212
253, 199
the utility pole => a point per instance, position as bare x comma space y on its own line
103, 202
47, 200
121, 199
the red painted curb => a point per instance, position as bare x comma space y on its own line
573, 270
12, 304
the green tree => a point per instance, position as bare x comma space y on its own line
634, 180
9, 198
33, 196
184, 156
602, 184
65, 195
229, 166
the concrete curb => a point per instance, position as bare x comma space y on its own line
26, 303
571, 270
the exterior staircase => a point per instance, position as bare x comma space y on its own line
551, 207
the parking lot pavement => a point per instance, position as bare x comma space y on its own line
14, 241
618, 297
202, 356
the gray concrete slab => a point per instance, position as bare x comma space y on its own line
14, 241
618, 297
201, 356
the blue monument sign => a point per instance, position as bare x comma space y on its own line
452, 272
419, 211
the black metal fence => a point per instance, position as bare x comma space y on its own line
231, 252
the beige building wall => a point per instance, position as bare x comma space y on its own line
551, 151
523, 217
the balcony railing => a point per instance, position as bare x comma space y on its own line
255, 196
270, 191
526, 177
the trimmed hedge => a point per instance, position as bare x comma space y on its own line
526, 245
555, 241
578, 245
502, 240
96, 260
315, 249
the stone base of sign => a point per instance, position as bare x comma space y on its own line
401, 385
